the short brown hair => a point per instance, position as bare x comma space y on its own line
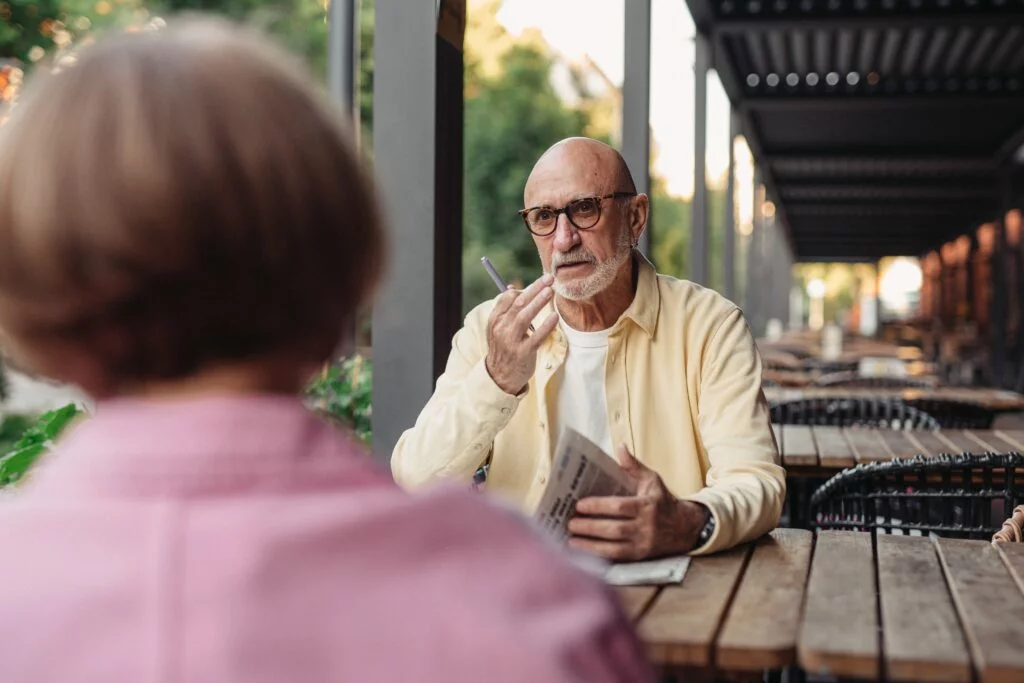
179, 198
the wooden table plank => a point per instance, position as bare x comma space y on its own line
992, 441
761, 629
898, 443
839, 634
929, 442
867, 446
636, 599
922, 640
833, 449
961, 441
991, 606
680, 627
1015, 437
800, 447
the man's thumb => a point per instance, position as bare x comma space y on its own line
627, 461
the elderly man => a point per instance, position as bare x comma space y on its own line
662, 372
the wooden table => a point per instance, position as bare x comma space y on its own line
999, 400
908, 608
823, 450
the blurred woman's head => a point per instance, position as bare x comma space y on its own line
179, 202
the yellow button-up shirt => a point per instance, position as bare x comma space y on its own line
683, 390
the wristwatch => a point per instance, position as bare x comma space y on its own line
706, 531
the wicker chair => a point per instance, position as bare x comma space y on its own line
867, 411
959, 496
955, 414
851, 380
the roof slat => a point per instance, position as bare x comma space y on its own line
1010, 39
981, 49
890, 50
954, 57
935, 50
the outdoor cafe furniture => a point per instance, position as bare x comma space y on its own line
954, 496
786, 378
846, 412
930, 412
841, 605
996, 400
811, 454
853, 379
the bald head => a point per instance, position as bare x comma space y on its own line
587, 165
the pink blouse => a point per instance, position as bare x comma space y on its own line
242, 539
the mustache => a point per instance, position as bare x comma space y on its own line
571, 257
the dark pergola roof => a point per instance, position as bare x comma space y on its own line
882, 126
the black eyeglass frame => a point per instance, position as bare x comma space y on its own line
567, 210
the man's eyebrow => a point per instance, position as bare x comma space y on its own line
572, 198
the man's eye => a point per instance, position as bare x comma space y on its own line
585, 206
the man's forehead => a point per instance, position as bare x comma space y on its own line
562, 178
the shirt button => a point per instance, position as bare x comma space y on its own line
547, 366
542, 479
618, 416
477, 446
542, 425
504, 411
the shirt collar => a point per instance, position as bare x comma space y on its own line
646, 304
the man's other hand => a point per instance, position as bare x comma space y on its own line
653, 523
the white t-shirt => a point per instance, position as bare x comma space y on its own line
581, 401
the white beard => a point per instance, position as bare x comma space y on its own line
600, 279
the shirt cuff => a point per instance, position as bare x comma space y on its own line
490, 397
712, 543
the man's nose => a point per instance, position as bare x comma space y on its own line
566, 235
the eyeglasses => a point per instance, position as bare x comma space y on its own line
583, 213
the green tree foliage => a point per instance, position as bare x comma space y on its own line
28, 24
35, 441
510, 120
343, 392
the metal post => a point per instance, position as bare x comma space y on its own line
754, 296
342, 54
699, 225
417, 137
729, 243
636, 102
878, 298
342, 63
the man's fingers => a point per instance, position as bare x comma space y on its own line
610, 550
603, 529
543, 331
504, 302
533, 308
537, 285
622, 507
530, 293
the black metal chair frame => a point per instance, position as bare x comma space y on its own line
866, 411
952, 414
959, 496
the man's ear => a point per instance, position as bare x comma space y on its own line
639, 212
